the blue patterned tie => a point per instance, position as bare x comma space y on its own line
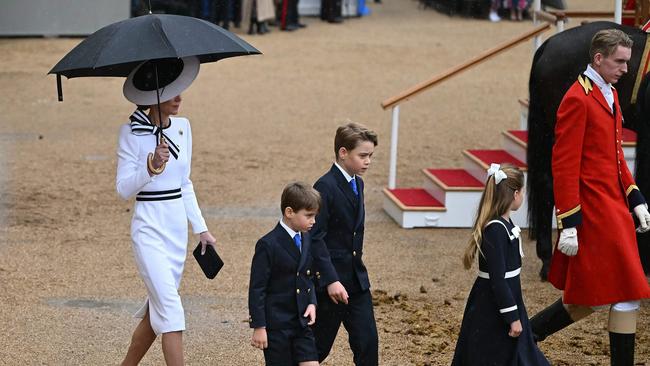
353, 185
298, 241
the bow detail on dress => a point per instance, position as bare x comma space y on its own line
141, 125
499, 175
516, 232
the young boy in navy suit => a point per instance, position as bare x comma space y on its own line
281, 296
343, 289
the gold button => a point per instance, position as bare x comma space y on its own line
297, 290
308, 272
318, 274
354, 253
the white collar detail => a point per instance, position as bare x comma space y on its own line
347, 176
605, 88
289, 230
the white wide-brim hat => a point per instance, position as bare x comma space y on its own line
174, 76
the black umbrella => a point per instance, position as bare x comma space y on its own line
118, 48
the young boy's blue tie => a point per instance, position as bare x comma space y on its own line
298, 241
353, 185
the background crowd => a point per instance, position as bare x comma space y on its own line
255, 16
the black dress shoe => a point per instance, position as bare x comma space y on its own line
336, 20
301, 25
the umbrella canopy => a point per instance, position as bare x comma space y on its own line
118, 48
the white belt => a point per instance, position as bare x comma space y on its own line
509, 274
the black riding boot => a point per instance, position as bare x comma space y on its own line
621, 348
550, 320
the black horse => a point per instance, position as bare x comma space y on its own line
556, 66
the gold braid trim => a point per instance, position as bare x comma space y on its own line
630, 189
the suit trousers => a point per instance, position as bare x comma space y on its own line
357, 317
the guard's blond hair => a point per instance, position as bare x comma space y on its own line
606, 41
496, 200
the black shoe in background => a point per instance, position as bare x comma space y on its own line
290, 28
262, 28
336, 20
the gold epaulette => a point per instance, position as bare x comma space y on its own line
585, 83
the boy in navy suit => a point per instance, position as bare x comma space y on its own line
343, 289
281, 296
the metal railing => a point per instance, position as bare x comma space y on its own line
395, 101
558, 18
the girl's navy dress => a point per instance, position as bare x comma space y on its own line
494, 302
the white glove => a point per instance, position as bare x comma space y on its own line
568, 243
641, 212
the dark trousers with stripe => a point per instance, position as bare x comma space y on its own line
357, 317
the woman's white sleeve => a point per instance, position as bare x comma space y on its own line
132, 174
189, 197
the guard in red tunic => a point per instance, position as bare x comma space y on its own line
596, 262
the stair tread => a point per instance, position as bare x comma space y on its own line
454, 179
414, 198
521, 135
629, 137
486, 157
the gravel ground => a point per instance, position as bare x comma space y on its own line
67, 276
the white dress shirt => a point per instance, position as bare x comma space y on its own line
347, 176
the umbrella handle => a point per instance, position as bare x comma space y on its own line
150, 161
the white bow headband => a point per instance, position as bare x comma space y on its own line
499, 175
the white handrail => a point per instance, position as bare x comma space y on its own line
618, 11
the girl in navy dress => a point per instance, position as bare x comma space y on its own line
495, 328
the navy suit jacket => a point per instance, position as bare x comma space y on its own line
337, 236
281, 285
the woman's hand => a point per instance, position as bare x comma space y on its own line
206, 239
161, 154
515, 329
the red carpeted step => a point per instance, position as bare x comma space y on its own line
414, 199
629, 137
520, 136
486, 157
454, 179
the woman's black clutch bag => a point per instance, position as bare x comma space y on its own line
210, 262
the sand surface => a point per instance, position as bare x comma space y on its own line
68, 282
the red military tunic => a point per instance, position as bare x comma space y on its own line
595, 192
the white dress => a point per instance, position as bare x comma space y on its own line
164, 204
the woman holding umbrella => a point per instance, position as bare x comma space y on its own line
154, 158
